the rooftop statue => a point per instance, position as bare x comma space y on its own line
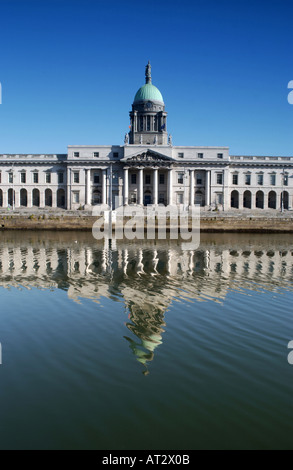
148, 75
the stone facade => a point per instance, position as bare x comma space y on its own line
147, 169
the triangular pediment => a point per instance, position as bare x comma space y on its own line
147, 156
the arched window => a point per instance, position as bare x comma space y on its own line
259, 200
285, 200
61, 198
48, 198
36, 198
23, 197
272, 201
11, 197
247, 200
235, 200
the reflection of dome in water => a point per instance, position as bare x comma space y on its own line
146, 324
151, 343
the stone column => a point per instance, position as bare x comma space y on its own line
170, 187
54, 198
135, 122
278, 200
191, 188
155, 189
42, 198
104, 187
207, 188
266, 200
140, 194
226, 197
125, 186
69, 183
17, 198
5, 198
88, 187
29, 198
253, 200
240, 198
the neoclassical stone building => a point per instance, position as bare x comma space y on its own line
147, 169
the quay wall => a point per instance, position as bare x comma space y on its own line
214, 223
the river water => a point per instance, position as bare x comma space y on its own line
142, 345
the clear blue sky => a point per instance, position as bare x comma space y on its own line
70, 69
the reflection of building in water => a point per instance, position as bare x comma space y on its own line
146, 276
151, 273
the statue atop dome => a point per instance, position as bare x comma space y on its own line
148, 74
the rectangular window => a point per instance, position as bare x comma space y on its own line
115, 177
75, 198
96, 178
76, 154
273, 180
23, 178
60, 178
162, 179
96, 154
179, 198
76, 177
248, 180
133, 178
200, 155
286, 181
0, 177
10, 177
219, 178
148, 123
219, 155
220, 198
147, 179
48, 178
180, 178
133, 198
161, 198
115, 154
260, 180
180, 155
235, 179
36, 178
198, 179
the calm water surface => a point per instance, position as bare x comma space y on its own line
144, 346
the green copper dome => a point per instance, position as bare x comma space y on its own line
148, 92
